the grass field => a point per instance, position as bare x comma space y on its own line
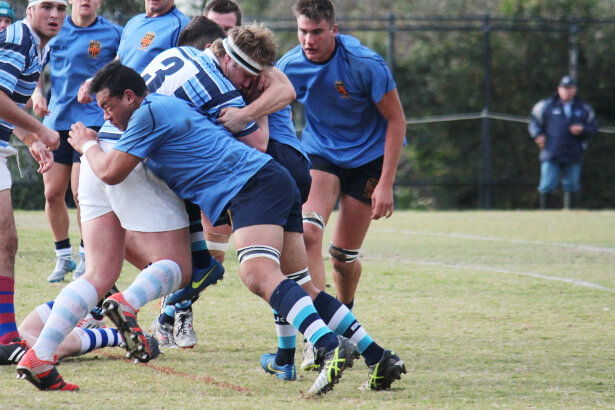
488, 309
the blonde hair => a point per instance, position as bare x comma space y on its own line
255, 41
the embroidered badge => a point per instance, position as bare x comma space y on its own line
94, 49
341, 89
147, 39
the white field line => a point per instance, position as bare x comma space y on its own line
573, 281
487, 238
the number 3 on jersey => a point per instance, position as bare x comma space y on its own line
168, 66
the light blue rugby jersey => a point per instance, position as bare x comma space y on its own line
76, 54
21, 63
143, 39
188, 73
343, 124
197, 158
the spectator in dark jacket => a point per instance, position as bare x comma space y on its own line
560, 126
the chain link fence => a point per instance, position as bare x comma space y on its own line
467, 84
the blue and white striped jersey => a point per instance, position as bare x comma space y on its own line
190, 74
21, 63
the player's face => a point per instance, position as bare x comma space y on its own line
5, 22
237, 75
85, 8
46, 18
317, 38
154, 8
566, 93
116, 109
225, 20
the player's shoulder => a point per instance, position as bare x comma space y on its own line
103, 22
16, 34
177, 13
352, 47
292, 56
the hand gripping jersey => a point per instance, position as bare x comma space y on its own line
21, 63
197, 158
343, 124
76, 54
191, 75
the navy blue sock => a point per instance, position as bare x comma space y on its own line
342, 321
201, 258
293, 303
63, 244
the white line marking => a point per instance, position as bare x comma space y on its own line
572, 281
487, 238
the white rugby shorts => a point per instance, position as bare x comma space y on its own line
5, 174
142, 202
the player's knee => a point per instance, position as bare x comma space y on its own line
313, 220
313, 229
342, 258
54, 195
255, 265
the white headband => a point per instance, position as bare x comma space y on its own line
240, 57
35, 2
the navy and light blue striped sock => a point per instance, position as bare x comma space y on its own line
201, 258
341, 320
293, 303
96, 338
287, 341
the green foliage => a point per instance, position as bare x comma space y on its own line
27, 191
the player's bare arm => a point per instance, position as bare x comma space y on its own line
10, 112
112, 167
391, 109
259, 139
37, 149
277, 92
39, 102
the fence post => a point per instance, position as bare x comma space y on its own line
484, 188
573, 47
391, 42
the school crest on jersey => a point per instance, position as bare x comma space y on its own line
147, 39
94, 49
341, 89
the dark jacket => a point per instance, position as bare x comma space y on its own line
548, 118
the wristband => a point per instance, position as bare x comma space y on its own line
85, 147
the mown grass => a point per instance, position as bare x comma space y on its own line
488, 309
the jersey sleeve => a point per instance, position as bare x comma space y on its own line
376, 78
12, 62
145, 132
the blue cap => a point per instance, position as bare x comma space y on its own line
567, 81
6, 10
